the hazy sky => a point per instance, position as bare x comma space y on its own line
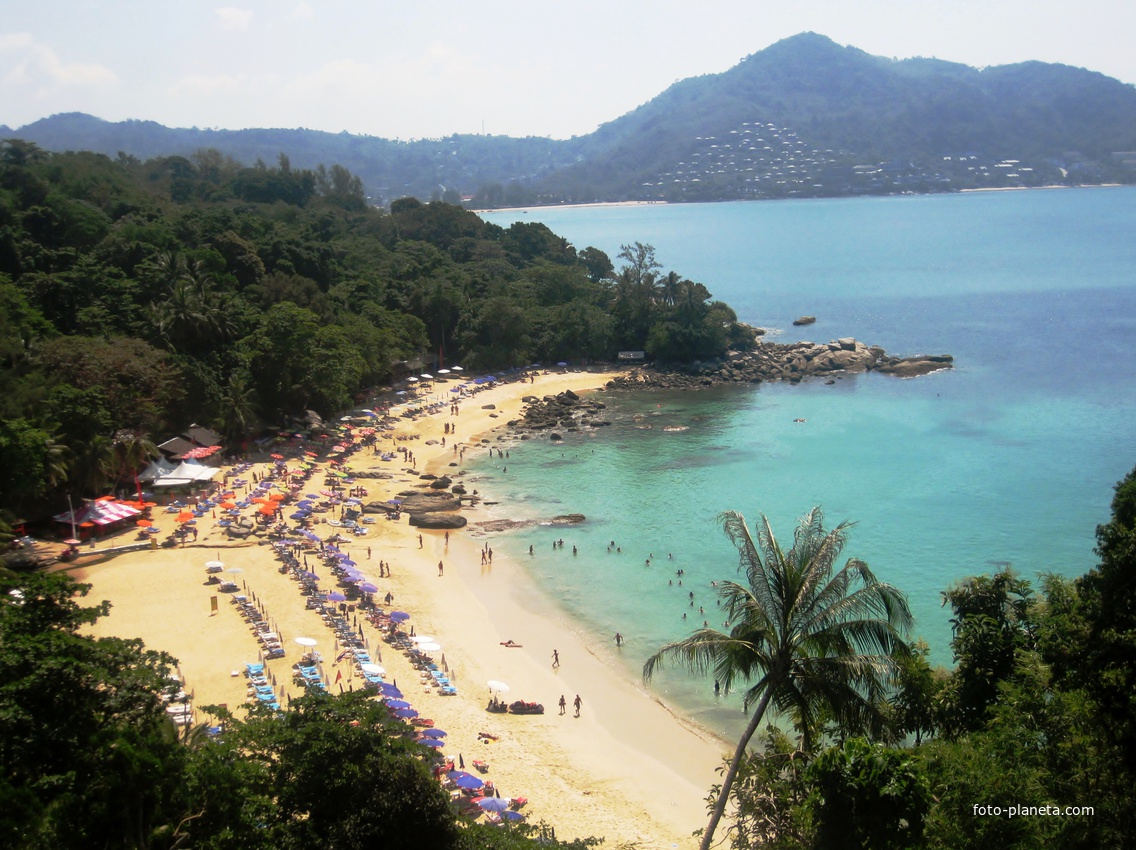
427, 68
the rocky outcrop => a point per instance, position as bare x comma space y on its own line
438, 520
564, 412
805, 320
792, 362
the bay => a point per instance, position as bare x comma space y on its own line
1008, 458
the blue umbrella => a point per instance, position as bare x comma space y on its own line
434, 733
399, 616
398, 703
367, 587
492, 804
300, 515
509, 814
406, 712
336, 596
389, 690
465, 780
432, 742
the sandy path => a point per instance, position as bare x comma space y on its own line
626, 769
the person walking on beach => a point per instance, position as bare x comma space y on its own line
577, 702
419, 541
563, 704
555, 659
618, 639
439, 567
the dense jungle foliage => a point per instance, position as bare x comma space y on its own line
1029, 741
137, 297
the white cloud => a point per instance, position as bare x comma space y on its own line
232, 19
303, 11
35, 71
16, 40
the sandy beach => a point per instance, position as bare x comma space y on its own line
626, 769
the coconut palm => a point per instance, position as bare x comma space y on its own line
815, 642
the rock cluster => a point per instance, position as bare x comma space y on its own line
552, 415
427, 509
792, 362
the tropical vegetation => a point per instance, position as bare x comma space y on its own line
137, 297
1027, 742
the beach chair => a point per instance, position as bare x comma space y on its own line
252, 669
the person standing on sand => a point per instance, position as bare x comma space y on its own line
563, 704
618, 639
555, 659
577, 702
439, 567
419, 541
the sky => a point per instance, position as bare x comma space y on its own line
412, 69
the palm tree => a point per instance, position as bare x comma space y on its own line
815, 642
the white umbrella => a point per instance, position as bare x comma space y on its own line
494, 685
213, 565
422, 639
425, 377
374, 669
306, 641
458, 369
429, 647
415, 380
443, 371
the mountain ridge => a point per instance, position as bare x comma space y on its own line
844, 122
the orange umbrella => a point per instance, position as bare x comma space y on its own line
185, 516
145, 523
268, 510
276, 497
227, 505
257, 500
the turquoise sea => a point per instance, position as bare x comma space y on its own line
1008, 458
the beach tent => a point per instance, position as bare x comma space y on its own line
157, 469
187, 474
102, 512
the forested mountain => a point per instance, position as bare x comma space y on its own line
805, 116
139, 296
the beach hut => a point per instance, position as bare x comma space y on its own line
98, 516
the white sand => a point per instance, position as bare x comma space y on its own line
626, 769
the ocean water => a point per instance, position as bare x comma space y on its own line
1010, 458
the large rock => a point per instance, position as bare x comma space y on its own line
437, 520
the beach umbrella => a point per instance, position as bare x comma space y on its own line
491, 804
336, 596
389, 690
306, 641
458, 369
429, 647
494, 685
434, 733
422, 638
509, 814
433, 743
367, 587
214, 565
406, 713
72, 541
397, 703
235, 570
373, 669
144, 523
399, 616
465, 780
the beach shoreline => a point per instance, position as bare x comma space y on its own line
602, 761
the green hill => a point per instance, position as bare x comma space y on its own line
805, 116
